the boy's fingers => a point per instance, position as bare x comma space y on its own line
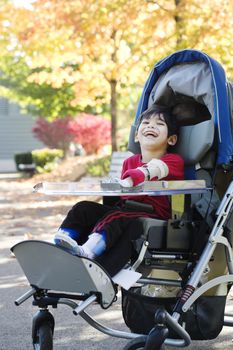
128, 182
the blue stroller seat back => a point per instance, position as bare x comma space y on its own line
197, 130
195, 87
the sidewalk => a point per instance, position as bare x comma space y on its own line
25, 214
9, 176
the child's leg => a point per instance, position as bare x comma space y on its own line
117, 257
109, 230
114, 224
79, 222
117, 223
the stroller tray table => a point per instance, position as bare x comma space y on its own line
155, 188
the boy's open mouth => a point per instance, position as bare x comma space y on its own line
150, 134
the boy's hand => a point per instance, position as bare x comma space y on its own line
128, 182
155, 168
136, 176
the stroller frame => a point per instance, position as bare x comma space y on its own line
43, 298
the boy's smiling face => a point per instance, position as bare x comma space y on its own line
152, 133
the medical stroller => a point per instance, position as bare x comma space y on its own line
192, 251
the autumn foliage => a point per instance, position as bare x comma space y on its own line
54, 134
92, 132
60, 57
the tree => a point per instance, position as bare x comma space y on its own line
39, 99
97, 50
98, 46
205, 26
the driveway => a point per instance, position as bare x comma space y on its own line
23, 215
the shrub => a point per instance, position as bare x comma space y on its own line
44, 159
41, 157
55, 134
99, 167
92, 132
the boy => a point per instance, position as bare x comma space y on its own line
99, 231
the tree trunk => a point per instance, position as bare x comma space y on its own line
179, 25
113, 106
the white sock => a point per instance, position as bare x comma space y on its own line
95, 245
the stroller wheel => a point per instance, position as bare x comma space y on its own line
139, 343
42, 330
44, 339
136, 344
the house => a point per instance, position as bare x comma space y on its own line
15, 134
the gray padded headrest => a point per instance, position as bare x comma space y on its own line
194, 141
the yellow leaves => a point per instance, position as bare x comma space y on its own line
56, 78
88, 94
123, 53
88, 43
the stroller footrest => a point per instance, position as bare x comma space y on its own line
50, 267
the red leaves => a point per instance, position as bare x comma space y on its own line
91, 131
54, 134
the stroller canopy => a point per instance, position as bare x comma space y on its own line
191, 81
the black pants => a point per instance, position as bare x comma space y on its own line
120, 226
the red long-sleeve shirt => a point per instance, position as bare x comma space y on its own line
161, 204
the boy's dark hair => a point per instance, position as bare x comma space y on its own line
169, 117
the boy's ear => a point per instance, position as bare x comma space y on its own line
172, 140
136, 137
